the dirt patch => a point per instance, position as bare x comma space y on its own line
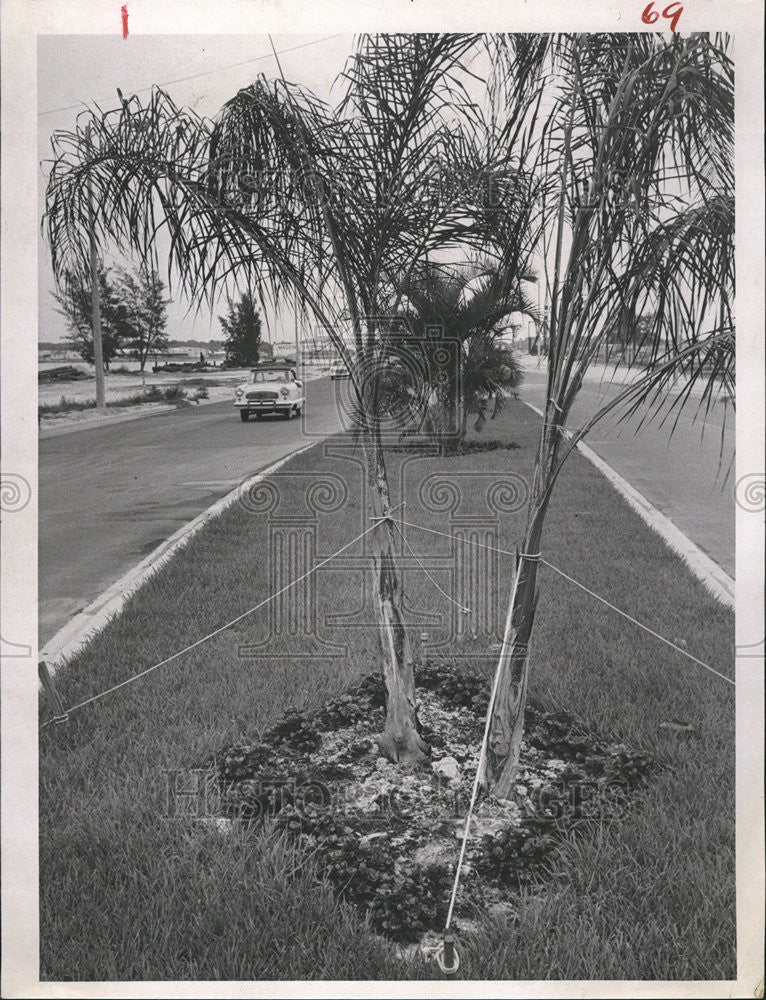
387, 837
445, 451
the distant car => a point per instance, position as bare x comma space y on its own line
339, 369
270, 389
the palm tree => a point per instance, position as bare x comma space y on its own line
491, 369
454, 313
285, 193
637, 218
614, 152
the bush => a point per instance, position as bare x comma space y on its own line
173, 393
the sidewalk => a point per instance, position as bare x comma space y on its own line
606, 374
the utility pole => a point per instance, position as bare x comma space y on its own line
98, 353
297, 339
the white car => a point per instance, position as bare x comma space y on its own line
270, 389
339, 369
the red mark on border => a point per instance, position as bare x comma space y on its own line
124, 20
672, 12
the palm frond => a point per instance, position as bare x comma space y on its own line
639, 145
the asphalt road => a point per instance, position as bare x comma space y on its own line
680, 473
110, 494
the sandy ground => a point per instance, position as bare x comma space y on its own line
219, 384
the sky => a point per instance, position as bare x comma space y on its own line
198, 71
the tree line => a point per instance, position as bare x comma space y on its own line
133, 314
134, 318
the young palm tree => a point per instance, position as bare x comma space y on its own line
636, 156
462, 308
334, 205
491, 369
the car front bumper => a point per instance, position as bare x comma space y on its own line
267, 406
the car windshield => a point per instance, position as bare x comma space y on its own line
271, 376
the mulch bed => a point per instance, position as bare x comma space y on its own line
387, 837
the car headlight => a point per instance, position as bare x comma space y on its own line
238, 393
284, 391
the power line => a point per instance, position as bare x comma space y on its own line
196, 76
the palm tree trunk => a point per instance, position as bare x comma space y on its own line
453, 430
401, 738
507, 721
463, 419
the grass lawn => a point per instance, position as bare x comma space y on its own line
128, 892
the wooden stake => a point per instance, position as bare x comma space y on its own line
52, 695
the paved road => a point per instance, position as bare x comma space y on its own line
111, 494
678, 473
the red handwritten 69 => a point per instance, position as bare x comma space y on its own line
672, 12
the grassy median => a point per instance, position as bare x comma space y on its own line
130, 892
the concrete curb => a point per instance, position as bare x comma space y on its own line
606, 375
86, 624
717, 581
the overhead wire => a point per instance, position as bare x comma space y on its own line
197, 76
